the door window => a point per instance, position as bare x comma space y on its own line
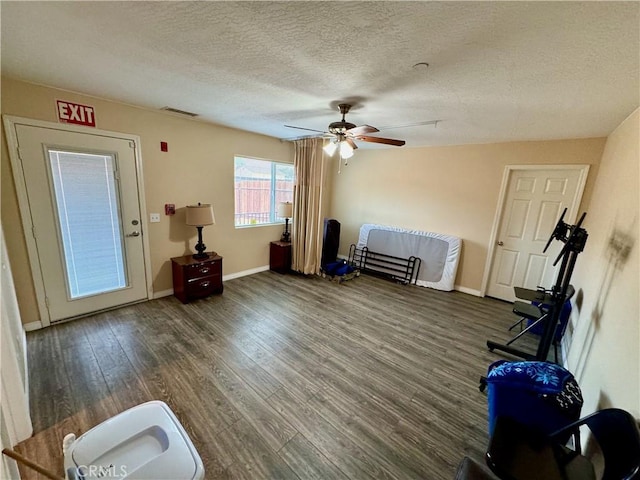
89, 223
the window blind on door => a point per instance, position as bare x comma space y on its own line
89, 222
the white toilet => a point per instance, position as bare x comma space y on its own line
146, 442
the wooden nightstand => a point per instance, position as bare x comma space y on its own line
280, 257
193, 278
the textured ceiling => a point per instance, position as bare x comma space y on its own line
499, 71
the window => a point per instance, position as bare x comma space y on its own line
89, 222
260, 185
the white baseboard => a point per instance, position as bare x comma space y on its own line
469, 291
251, 271
31, 326
28, 327
459, 288
162, 293
231, 276
244, 273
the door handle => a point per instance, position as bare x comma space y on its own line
133, 234
500, 243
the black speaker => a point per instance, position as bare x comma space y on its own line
331, 241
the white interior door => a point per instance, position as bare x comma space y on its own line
83, 198
534, 201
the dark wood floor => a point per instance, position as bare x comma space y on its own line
282, 377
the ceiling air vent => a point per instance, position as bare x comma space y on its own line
179, 112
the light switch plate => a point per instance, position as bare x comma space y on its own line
154, 217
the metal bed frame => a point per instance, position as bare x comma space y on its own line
402, 270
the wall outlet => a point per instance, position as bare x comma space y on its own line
154, 218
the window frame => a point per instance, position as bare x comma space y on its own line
273, 190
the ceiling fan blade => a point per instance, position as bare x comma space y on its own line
302, 128
361, 130
386, 141
351, 142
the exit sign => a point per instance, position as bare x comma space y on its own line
76, 113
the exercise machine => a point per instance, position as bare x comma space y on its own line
574, 238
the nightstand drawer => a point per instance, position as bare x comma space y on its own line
204, 269
202, 287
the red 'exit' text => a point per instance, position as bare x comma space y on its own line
76, 113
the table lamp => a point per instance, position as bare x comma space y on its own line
285, 210
199, 216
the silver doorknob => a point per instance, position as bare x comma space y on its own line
133, 234
500, 243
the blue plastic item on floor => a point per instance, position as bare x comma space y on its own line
338, 268
542, 395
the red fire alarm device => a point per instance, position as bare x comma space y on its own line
164, 147
169, 209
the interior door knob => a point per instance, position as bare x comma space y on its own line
133, 234
500, 243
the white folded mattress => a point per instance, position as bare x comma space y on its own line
439, 254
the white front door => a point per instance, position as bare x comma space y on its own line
83, 202
534, 201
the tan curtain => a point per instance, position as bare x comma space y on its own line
307, 206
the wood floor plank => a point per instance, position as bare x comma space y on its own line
125, 386
354, 386
361, 343
232, 321
274, 429
334, 344
329, 440
208, 409
283, 376
249, 456
307, 462
363, 430
252, 373
297, 384
231, 353
88, 389
50, 397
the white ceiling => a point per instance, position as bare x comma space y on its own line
499, 71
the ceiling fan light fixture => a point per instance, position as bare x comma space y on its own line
346, 151
330, 148
346, 132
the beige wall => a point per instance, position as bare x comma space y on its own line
451, 190
604, 351
197, 167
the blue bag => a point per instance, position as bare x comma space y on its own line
338, 269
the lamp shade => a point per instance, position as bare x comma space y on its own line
346, 151
330, 148
199, 215
285, 210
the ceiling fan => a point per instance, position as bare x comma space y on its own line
346, 132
